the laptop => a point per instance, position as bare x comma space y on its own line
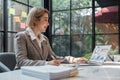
98, 56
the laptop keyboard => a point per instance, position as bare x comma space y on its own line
111, 63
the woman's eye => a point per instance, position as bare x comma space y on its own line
46, 19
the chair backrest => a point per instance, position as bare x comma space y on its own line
8, 59
3, 68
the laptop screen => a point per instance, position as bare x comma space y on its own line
100, 53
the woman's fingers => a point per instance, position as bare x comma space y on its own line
80, 60
55, 62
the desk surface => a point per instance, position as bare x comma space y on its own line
105, 72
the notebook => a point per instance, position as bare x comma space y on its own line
99, 55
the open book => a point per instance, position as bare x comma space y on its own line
49, 72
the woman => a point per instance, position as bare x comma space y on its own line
32, 47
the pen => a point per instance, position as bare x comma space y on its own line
53, 57
58, 59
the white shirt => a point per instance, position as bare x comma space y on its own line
33, 37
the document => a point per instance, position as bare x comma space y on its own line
49, 72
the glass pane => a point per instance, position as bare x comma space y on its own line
11, 42
106, 19
17, 16
81, 3
61, 4
61, 45
39, 3
81, 21
61, 23
96, 3
1, 42
106, 28
81, 45
23, 1
1, 14
110, 40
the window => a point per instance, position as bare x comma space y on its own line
1, 25
1, 15
73, 29
106, 25
1, 41
15, 21
17, 16
39, 3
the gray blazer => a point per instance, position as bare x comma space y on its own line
28, 52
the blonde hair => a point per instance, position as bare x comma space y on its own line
34, 15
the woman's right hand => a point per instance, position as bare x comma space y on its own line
55, 62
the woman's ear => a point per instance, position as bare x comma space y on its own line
36, 20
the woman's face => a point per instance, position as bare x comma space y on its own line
43, 23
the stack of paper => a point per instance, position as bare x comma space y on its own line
48, 72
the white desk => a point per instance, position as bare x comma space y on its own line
88, 73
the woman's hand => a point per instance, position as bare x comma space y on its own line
81, 59
55, 62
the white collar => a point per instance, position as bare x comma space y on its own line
32, 35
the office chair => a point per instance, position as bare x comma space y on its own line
7, 61
3, 68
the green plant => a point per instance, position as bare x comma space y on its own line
87, 56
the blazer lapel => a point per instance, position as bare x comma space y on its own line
35, 44
44, 49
